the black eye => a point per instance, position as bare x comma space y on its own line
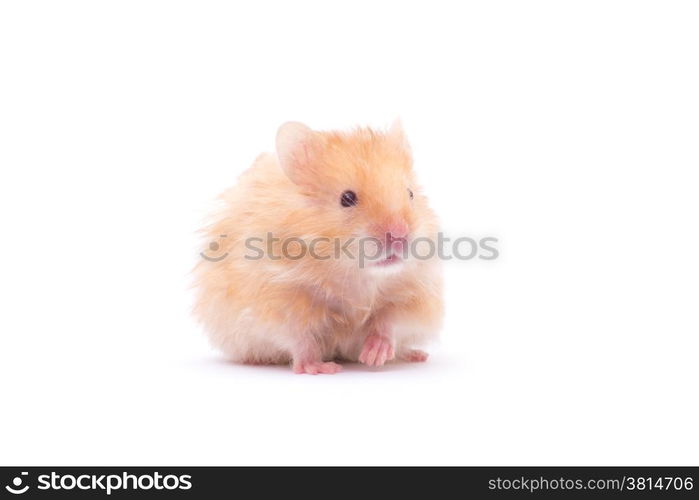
348, 199
410, 192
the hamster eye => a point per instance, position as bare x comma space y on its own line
410, 193
348, 199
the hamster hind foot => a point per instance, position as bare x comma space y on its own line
316, 367
414, 356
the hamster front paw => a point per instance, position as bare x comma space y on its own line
377, 350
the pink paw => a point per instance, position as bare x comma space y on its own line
414, 356
316, 367
376, 351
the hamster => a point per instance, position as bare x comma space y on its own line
309, 259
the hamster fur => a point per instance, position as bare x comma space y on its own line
324, 306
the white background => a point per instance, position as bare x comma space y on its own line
569, 130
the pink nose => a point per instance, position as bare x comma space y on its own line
397, 230
396, 236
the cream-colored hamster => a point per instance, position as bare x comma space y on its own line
309, 260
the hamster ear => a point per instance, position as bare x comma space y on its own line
396, 129
397, 134
296, 146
